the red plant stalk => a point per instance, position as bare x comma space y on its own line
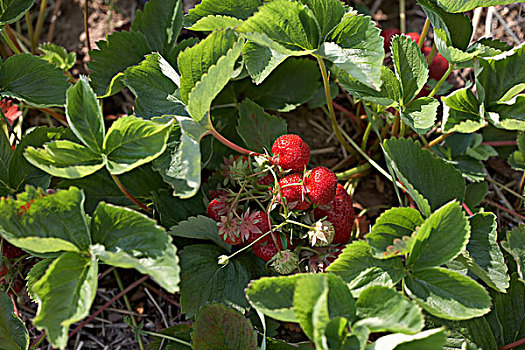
500, 143
512, 345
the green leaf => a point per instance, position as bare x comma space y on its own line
181, 331
13, 332
199, 227
195, 61
486, 259
65, 294
359, 269
173, 210
515, 245
128, 239
155, 84
421, 114
440, 238
65, 159
215, 22
219, 327
462, 112
6, 153
180, 164
241, 9
84, 115
291, 84
410, 67
457, 26
260, 61
508, 313
160, 22
12, 10
33, 80
467, 5
337, 333
430, 181
45, 224
501, 78
475, 193
274, 296
283, 25
319, 298
131, 142
328, 14
110, 60
388, 95
511, 115
58, 56
517, 159
203, 280
382, 309
431, 339
393, 225
21, 172
447, 294
35, 274
212, 83
355, 46
257, 128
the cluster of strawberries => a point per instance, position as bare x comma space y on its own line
310, 200
437, 67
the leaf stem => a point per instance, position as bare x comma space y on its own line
10, 42
354, 171
230, 144
128, 306
30, 31
432, 54
86, 26
330, 105
402, 16
437, 140
451, 67
129, 196
424, 33
500, 143
512, 345
39, 23
167, 337
38, 340
499, 206
106, 305
494, 182
13, 38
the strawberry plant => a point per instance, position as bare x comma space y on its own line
212, 188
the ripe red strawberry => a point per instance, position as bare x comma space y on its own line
438, 67
216, 209
341, 215
265, 180
9, 251
414, 36
320, 185
292, 189
268, 249
263, 226
388, 34
290, 152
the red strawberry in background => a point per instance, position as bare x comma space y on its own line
292, 189
268, 249
320, 185
265, 180
341, 215
388, 34
216, 209
414, 36
290, 152
9, 251
438, 66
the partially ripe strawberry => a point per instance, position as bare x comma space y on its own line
290, 152
9, 251
388, 34
341, 215
215, 209
268, 249
292, 190
320, 185
414, 36
262, 225
265, 180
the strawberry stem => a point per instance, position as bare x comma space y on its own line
434, 91
129, 195
424, 33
